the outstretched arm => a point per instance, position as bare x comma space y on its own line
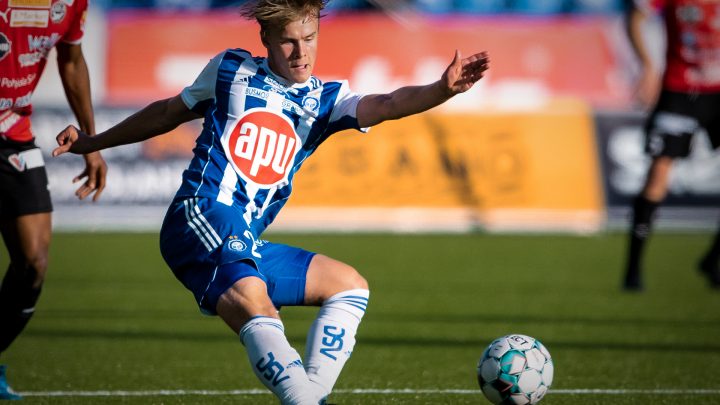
76, 82
157, 118
459, 77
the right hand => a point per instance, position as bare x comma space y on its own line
73, 140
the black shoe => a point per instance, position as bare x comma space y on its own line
632, 282
711, 271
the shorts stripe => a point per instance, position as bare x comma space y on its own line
208, 287
194, 223
204, 220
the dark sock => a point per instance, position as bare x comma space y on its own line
643, 210
712, 257
17, 303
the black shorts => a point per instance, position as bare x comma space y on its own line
23, 180
677, 117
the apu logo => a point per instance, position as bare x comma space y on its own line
262, 147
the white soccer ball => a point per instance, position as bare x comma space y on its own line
515, 370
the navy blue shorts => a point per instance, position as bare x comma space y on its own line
209, 247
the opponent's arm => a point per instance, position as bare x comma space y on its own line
648, 86
156, 119
459, 77
76, 82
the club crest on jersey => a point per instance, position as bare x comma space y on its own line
58, 12
261, 146
311, 103
17, 162
236, 245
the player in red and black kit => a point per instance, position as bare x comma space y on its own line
686, 99
29, 29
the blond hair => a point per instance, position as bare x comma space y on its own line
278, 13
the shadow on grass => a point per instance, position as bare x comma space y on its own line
207, 337
398, 318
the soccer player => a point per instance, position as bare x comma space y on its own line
28, 31
686, 100
263, 117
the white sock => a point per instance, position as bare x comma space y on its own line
331, 337
275, 363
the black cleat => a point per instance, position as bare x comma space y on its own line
632, 282
711, 271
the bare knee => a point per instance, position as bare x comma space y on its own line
246, 299
327, 277
355, 280
31, 268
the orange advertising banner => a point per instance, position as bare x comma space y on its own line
506, 170
154, 55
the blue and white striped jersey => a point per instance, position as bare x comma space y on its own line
258, 130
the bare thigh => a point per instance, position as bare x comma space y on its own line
246, 299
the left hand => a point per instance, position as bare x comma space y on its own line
462, 74
95, 172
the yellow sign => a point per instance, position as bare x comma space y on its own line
504, 167
29, 3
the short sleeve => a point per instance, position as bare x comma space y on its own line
76, 30
203, 89
344, 112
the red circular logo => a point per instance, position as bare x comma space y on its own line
262, 146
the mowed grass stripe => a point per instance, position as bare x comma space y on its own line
112, 318
364, 391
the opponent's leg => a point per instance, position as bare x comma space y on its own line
344, 295
710, 264
248, 310
644, 208
27, 239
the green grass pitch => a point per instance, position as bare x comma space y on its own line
113, 323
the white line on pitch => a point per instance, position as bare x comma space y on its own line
152, 393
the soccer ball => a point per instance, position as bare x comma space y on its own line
515, 369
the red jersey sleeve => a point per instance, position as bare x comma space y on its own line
77, 26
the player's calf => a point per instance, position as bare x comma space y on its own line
19, 293
275, 363
331, 338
